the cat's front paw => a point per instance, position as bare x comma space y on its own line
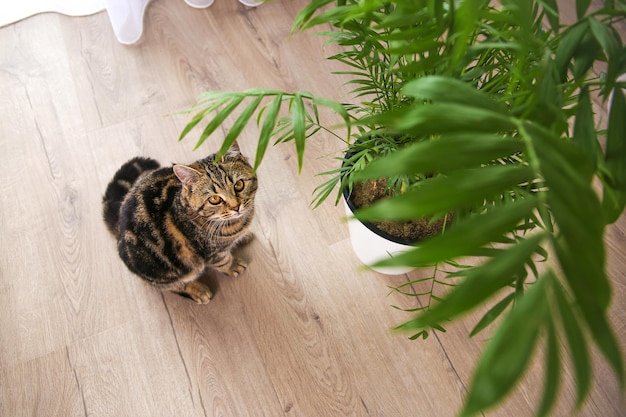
245, 239
237, 267
198, 292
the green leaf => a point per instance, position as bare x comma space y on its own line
552, 369
615, 157
269, 123
492, 314
577, 345
592, 295
466, 236
587, 52
299, 127
605, 339
581, 8
338, 108
239, 124
416, 46
560, 157
480, 283
611, 45
551, 8
304, 15
509, 351
219, 119
546, 103
581, 247
193, 123
450, 90
470, 150
460, 189
584, 129
441, 118
465, 21
335, 106
568, 45
577, 212
322, 191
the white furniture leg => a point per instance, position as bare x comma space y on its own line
126, 16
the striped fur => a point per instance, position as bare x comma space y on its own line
173, 223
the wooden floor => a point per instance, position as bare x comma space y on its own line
304, 332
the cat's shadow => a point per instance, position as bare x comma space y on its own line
211, 278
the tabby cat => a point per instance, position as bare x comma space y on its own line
171, 224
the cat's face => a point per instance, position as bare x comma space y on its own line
219, 192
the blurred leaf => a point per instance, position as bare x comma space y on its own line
440, 118
546, 105
438, 328
460, 189
584, 129
508, 352
451, 152
611, 44
465, 21
606, 341
581, 8
479, 284
416, 46
450, 90
577, 212
592, 295
560, 156
492, 314
587, 52
615, 157
552, 13
466, 236
577, 345
567, 46
552, 369
302, 20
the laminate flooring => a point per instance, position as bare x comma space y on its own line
304, 332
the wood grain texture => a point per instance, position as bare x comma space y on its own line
305, 331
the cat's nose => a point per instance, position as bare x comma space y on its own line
236, 208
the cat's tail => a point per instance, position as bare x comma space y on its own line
119, 186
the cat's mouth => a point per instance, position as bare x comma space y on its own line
233, 215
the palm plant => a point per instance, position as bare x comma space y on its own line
494, 103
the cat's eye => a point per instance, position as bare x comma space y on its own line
239, 185
215, 199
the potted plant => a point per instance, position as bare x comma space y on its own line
484, 111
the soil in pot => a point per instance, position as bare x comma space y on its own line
367, 192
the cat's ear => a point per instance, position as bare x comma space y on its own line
234, 151
187, 175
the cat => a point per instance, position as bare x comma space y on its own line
172, 224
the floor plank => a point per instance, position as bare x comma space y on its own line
306, 331
45, 386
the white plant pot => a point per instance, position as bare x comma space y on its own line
370, 246
199, 4
251, 3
